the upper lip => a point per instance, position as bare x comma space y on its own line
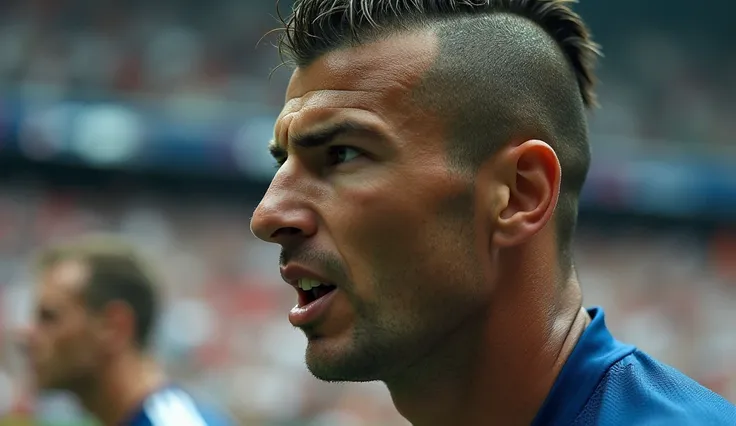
292, 273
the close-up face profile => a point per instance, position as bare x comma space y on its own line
378, 233
60, 344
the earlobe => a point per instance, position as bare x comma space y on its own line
534, 184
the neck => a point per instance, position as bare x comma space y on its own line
499, 367
121, 387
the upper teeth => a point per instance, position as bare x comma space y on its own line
307, 284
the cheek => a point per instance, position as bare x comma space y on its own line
374, 238
60, 346
73, 343
49, 341
402, 251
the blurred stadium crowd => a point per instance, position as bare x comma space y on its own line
224, 332
659, 84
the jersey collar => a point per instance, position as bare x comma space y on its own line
594, 354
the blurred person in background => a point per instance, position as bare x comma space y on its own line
95, 311
431, 158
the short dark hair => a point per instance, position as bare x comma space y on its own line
507, 70
117, 272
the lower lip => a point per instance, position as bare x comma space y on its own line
301, 316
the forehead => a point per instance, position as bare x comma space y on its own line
63, 280
376, 77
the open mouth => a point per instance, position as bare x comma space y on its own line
312, 290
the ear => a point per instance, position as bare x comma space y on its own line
117, 326
532, 174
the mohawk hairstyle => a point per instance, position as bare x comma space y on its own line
318, 26
507, 70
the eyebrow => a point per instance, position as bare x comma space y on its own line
319, 137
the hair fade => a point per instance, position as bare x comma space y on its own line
316, 27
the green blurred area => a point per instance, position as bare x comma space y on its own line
28, 421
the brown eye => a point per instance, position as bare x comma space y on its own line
342, 154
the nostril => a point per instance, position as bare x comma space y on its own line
282, 221
289, 231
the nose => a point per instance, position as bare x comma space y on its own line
282, 217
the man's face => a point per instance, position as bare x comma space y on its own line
62, 348
365, 201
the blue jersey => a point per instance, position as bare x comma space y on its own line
608, 383
173, 406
